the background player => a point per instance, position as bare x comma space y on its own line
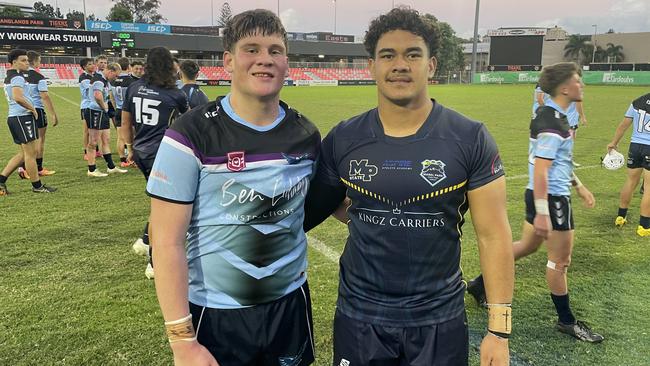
638, 161
119, 88
151, 105
22, 125
195, 96
88, 66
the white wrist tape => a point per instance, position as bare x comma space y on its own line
541, 207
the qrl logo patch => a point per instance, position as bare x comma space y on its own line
433, 171
236, 161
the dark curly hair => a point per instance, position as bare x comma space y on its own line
251, 22
402, 18
159, 68
557, 74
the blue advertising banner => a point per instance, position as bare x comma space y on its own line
128, 27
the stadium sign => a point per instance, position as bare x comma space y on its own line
46, 37
588, 77
128, 27
41, 23
206, 30
509, 32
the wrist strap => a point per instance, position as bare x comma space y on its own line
499, 334
541, 207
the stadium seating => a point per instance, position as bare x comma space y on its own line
72, 71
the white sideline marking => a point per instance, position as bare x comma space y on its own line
521, 176
323, 249
64, 98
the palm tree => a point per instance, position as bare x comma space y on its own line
614, 53
601, 55
579, 48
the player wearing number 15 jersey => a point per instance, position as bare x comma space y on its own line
151, 104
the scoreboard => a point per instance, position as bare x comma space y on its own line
122, 40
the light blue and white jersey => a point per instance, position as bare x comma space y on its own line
37, 85
118, 90
246, 245
639, 111
85, 89
100, 84
551, 138
13, 80
572, 115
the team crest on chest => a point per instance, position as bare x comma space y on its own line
433, 171
236, 161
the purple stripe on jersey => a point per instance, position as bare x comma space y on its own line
181, 139
248, 158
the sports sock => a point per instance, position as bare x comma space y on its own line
91, 168
645, 222
563, 309
37, 184
39, 164
3, 179
109, 161
622, 212
145, 235
122, 160
96, 147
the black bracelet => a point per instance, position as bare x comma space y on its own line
499, 334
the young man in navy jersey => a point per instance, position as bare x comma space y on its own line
230, 178
41, 98
549, 213
119, 87
195, 96
150, 106
21, 118
411, 169
638, 161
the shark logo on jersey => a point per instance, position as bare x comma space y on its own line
296, 159
236, 161
361, 170
433, 171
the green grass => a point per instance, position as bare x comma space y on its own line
72, 293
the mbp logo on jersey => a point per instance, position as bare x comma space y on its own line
236, 161
361, 170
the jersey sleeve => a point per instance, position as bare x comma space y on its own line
42, 85
18, 82
630, 112
175, 173
98, 85
327, 172
548, 144
485, 162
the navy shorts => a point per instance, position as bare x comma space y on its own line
559, 208
638, 156
144, 164
23, 129
271, 334
41, 120
97, 120
361, 344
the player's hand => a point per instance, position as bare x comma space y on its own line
542, 225
34, 113
192, 354
611, 146
588, 199
494, 351
55, 120
341, 212
583, 121
129, 156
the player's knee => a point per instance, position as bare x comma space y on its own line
560, 265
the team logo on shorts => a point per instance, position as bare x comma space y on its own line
236, 161
433, 171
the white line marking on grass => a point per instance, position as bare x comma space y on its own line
323, 249
522, 176
64, 98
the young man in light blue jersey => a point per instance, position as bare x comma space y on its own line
88, 66
229, 179
638, 161
549, 215
21, 119
41, 98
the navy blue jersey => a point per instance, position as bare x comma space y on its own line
247, 186
195, 96
119, 87
401, 263
153, 109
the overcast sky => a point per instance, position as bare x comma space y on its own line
353, 16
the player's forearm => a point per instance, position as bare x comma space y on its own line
497, 265
48, 103
127, 130
99, 99
620, 130
23, 102
540, 180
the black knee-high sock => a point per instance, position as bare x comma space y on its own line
3, 179
563, 309
39, 163
145, 234
622, 212
645, 222
109, 161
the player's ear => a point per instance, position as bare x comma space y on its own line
433, 64
228, 61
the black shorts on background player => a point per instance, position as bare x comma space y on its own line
23, 129
97, 120
117, 119
638, 156
41, 120
287, 322
144, 163
559, 208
